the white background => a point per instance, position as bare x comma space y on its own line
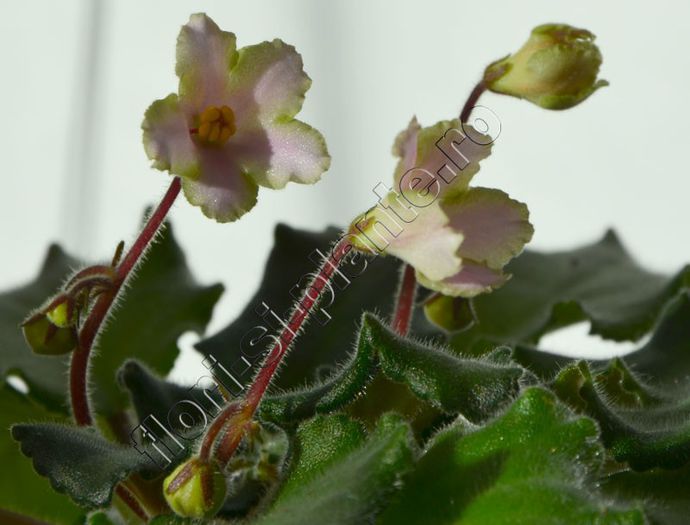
77, 76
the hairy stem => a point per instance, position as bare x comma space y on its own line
237, 415
132, 502
99, 312
471, 101
404, 304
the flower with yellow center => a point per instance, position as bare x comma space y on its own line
231, 126
216, 125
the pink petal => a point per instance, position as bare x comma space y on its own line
166, 138
204, 56
446, 151
425, 243
285, 152
494, 226
267, 83
223, 191
473, 279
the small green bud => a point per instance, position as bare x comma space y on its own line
195, 489
557, 68
452, 314
60, 315
46, 338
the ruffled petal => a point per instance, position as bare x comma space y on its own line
223, 191
473, 279
167, 141
267, 83
405, 147
284, 152
205, 55
494, 226
448, 150
425, 243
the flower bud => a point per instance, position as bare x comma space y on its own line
452, 314
556, 68
46, 338
195, 489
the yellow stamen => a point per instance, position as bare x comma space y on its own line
225, 134
216, 125
204, 130
210, 114
215, 132
228, 115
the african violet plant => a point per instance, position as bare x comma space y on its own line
397, 404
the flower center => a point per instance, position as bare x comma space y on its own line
216, 125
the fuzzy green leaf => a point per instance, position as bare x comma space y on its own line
22, 491
475, 388
642, 401
599, 282
78, 461
663, 493
354, 486
319, 443
537, 463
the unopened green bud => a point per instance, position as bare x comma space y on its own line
46, 338
195, 489
452, 314
60, 315
557, 68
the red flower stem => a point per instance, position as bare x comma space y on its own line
132, 502
238, 415
471, 102
92, 325
229, 412
152, 225
404, 305
408, 284
297, 319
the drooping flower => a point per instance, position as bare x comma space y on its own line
458, 238
556, 68
231, 127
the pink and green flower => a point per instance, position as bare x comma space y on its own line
231, 126
458, 238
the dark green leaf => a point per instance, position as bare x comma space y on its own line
641, 401
329, 336
663, 493
353, 486
78, 461
319, 443
162, 302
176, 520
599, 282
537, 463
639, 425
22, 490
99, 518
153, 396
475, 388
46, 376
